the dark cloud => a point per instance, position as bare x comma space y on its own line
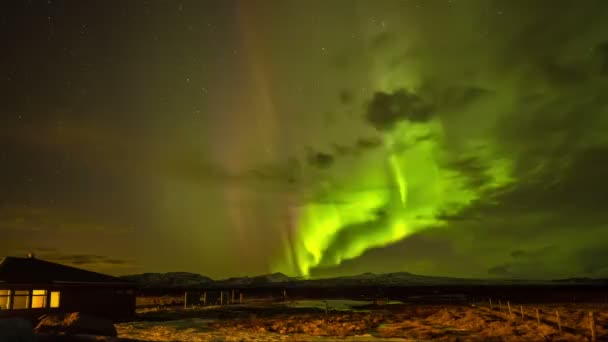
418, 253
544, 204
593, 259
463, 96
86, 259
533, 254
530, 268
346, 96
579, 190
588, 261
602, 53
342, 150
368, 143
289, 172
187, 168
386, 109
356, 148
321, 160
474, 170
561, 74
501, 270
383, 40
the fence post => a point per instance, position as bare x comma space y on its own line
592, 326
559, 322
521, 308
537, 316
491, 307
205, 298
500, 305
240, 297
510, 312
222, 297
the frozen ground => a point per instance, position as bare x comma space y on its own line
307, 321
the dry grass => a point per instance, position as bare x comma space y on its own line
151, 301
405, 322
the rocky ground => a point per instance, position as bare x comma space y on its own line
402, 322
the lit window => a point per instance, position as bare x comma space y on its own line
21, 299
5, 299
38, 299
54, 299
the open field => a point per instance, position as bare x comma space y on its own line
361, 321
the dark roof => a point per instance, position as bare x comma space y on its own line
35, 271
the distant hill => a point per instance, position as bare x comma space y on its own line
582, 281
169, 280
257, 280
185, 280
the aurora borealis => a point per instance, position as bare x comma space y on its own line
407, 192
314, 138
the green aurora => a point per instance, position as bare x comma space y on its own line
462, 138
409, 189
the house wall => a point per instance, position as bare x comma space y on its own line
116, 303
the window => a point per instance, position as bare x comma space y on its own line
54, 299
21, 299
5, 299
38, 299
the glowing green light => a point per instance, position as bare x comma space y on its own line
401, 180
346, 221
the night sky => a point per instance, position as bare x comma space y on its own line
315, 138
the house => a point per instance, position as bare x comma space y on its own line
30, 287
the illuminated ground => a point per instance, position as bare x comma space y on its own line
398, 322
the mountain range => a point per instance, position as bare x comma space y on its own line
188, 280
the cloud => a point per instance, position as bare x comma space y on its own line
586, 260
321, 160
420, 253
346, 96
287, 172
594, 259
362, 144
382, 40
602, 53
86, 260
187, 167
342, 150
459, 96
473, 168
15, 220
386, 109
532, 94
532, 254
368, 143
501, 270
